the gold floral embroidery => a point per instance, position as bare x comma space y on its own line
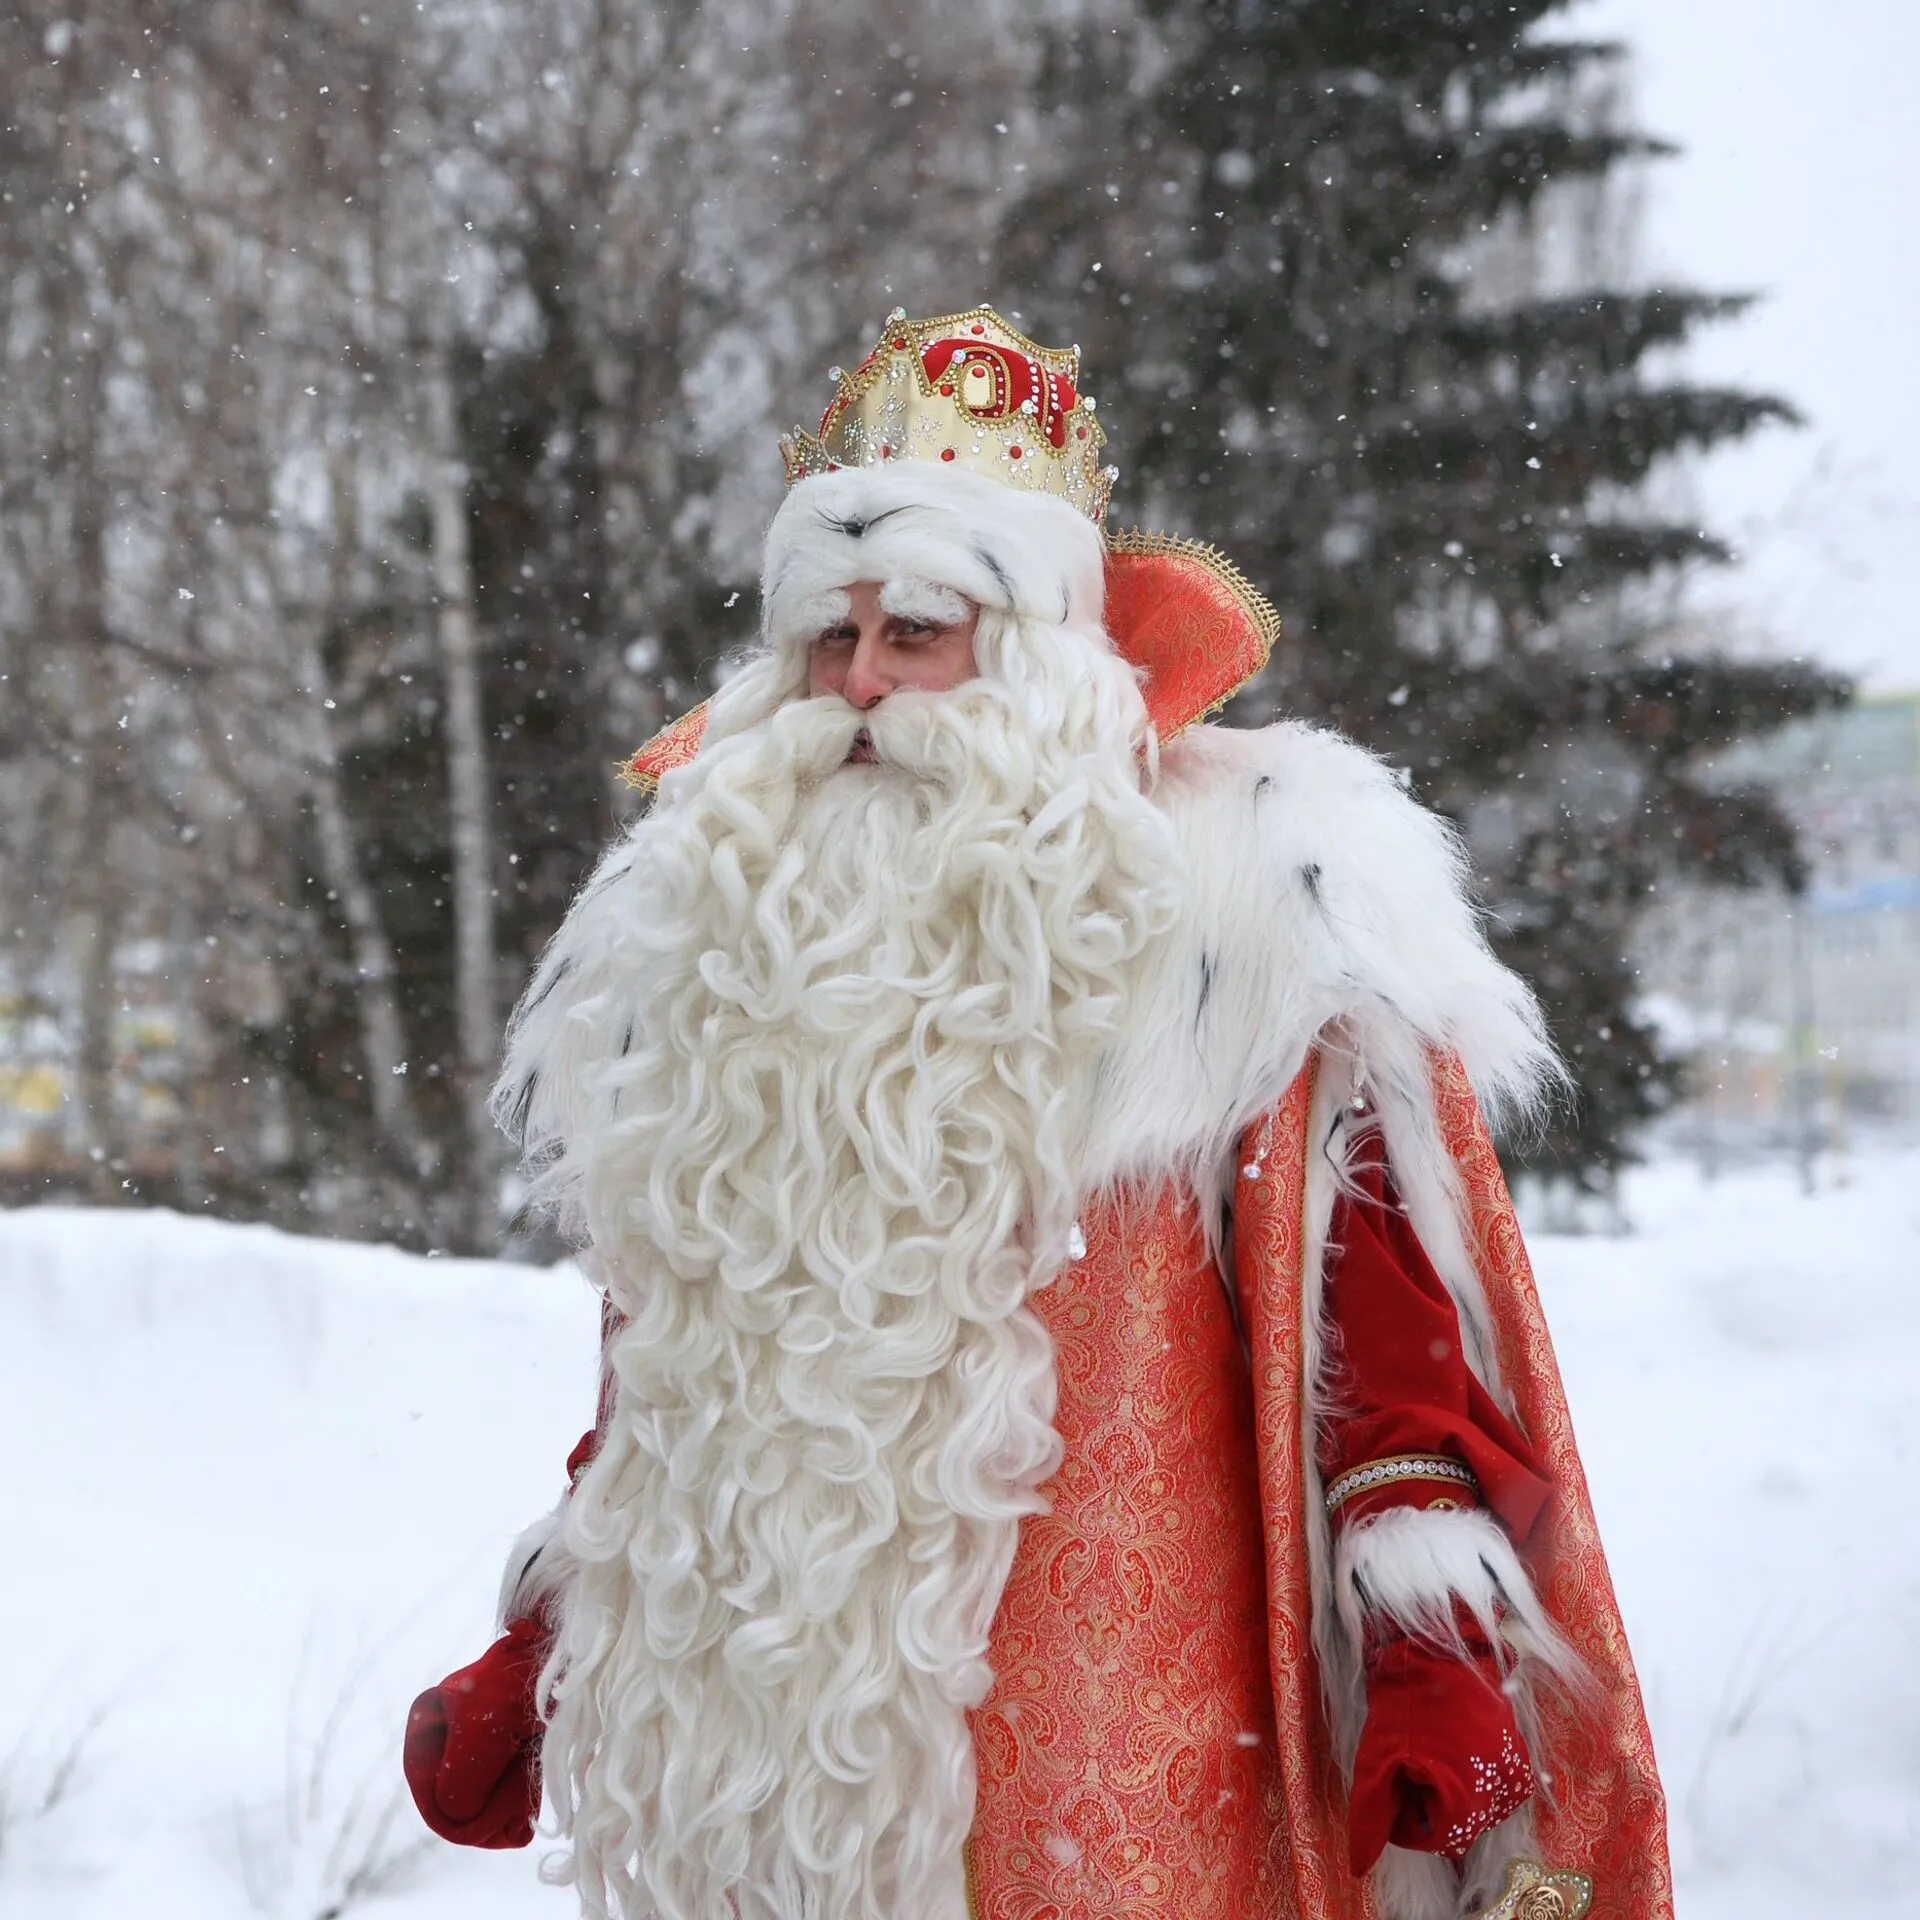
1126, 1753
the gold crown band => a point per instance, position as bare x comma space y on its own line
964, 390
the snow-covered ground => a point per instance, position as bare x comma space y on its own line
256, 1490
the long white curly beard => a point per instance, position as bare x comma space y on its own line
818, 1038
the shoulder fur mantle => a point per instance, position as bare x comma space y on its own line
1323, 904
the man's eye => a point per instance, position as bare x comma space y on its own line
837, 637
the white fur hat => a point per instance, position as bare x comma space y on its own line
912, 522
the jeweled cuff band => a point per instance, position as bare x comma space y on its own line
1394, 1468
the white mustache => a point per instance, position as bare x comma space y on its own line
929, 735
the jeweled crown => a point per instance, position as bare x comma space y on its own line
964, 390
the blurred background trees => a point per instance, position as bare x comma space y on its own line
389, 399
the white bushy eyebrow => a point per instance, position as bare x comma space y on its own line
924, 600
819, 613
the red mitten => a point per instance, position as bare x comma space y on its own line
1441, 1758
472, 1753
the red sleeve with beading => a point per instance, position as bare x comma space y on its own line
1441, 1758
1399, 1388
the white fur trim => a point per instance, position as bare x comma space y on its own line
1483, 1873
1423, 1886
1317, 893
1415, 1886
1408, 1567
1026, 554
538, 1569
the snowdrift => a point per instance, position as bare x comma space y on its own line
258, 1489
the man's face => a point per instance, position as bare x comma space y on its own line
873, 653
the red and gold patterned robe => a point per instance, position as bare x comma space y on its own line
1155, 1745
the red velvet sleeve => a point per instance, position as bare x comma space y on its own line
1400, 1387
1441, 1758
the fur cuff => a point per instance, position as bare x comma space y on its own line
537, 1570
1422, 1886
1409, 1568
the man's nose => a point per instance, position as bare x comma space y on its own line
868, 681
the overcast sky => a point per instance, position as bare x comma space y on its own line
1799, 179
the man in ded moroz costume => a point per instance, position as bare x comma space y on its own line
1077, 1437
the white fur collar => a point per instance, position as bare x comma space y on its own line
1319, 894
